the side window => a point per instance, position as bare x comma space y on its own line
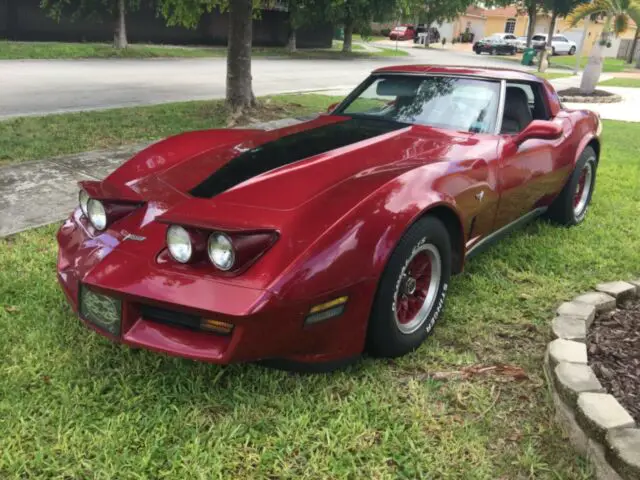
524, 102
535, 100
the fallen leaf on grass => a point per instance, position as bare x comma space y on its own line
11, 308
512, 372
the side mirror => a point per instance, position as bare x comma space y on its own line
332, 107
540, 129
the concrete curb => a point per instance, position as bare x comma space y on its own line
598, 427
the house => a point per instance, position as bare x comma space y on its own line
509, 20
473, 21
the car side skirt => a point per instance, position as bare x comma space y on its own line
489, 240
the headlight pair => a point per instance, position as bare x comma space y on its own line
220, 248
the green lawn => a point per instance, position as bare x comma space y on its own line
569, 61
622, 82
61, 50
28, 138
551, 75
73, 405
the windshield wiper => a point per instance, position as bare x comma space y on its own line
364, 116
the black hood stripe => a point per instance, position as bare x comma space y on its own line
290, 149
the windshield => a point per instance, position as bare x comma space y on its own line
455, 103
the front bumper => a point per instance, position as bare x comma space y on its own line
264, 326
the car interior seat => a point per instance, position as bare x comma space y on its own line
517, 114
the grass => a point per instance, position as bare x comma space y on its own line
60, 50
569, 61
27, 138
73, 405
551, 75
622, 82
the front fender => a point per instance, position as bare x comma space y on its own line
357, 247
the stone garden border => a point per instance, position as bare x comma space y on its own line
598, 426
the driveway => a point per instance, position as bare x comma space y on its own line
39, 87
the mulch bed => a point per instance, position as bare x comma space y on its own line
597, 96
613, 343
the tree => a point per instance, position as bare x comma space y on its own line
634, 44
302, 12
617, 14
114, 10
354, 14
430, 11
239, 94
558, 8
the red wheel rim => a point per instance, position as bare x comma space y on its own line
583, 190
416, 288
580, 188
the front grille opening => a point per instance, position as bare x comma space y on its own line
183, 320
170, 317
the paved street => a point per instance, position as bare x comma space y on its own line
37, 87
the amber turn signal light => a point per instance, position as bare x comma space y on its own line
217, 326
325, 311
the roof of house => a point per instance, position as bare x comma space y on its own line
473, 11
510, 11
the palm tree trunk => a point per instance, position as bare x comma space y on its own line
593, 69
632, 53
531, 11
544, 56
120, 30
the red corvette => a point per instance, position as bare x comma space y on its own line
315, 243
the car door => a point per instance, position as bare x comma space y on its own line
530, 175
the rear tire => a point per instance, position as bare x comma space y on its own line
571, 206
411, 291
494, 51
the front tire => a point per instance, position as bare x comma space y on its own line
494, 51
411, 291
571, 206
572, 50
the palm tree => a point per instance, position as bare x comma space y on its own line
618, 14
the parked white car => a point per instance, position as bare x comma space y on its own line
508, 38
521, 43
559, 43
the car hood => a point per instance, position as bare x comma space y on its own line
283, 172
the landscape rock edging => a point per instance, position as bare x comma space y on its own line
598, 427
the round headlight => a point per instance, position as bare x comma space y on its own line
83, 200
221, 252
179, 243
97, 214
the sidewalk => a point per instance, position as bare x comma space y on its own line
40, 192
628, 110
